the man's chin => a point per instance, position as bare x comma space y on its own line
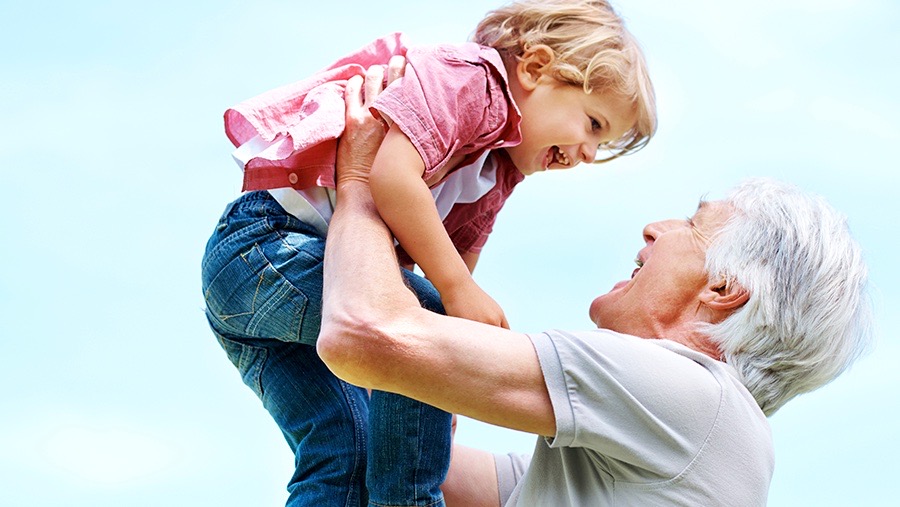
603, 310
594, 312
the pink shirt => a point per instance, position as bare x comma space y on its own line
452, 100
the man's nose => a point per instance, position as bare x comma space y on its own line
653, 230
650, 234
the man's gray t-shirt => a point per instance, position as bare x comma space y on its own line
641, 422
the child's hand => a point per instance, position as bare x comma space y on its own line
468, 301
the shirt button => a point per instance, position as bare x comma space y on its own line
292, 178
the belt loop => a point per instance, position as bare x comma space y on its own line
230, 207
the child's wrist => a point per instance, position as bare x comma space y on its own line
453, 285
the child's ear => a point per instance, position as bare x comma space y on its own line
533, 64
723, 296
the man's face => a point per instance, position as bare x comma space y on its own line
663, 293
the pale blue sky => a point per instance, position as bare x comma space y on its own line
114, 391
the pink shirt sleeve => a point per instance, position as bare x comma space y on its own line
453, 100
307, 117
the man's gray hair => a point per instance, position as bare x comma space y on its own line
808, 316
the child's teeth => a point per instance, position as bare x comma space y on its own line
560, 156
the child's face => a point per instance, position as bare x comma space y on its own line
562, 126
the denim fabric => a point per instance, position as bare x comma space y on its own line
262, 281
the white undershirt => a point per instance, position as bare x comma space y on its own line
315, 205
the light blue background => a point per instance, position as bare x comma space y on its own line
115, 168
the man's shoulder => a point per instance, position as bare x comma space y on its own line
655, 412
662, 376
621, 343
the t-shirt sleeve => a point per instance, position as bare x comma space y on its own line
635, 403
448, 102
510, 469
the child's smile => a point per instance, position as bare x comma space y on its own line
556, 156
563, 126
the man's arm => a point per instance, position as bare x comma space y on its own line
472, 479
375, 334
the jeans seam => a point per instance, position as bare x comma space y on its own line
418, 448
259, 282
283, 291
358, 434
439, 501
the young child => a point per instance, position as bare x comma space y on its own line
543, 85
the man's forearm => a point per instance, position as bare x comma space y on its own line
357, 238
376, 335
362, 283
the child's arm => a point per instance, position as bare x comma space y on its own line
470, 258
407, 207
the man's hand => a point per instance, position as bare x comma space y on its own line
376, 334
363, 132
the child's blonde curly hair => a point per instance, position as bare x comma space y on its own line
592, 49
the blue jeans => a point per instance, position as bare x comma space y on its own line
262, 282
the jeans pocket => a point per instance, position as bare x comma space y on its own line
249, 298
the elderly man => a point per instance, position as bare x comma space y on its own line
729, 314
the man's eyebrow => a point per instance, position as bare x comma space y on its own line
701, 205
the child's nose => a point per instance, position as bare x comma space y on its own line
588, 153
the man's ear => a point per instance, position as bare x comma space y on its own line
534, 64
723, 296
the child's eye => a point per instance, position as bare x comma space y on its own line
595, 125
